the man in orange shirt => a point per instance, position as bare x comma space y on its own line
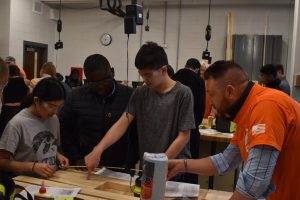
267, 139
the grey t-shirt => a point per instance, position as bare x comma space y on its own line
31, 139
160, 117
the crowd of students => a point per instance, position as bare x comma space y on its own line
104, 123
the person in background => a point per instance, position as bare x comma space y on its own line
73, 80
267, 137
208, 108
48, 69
284, 84
3, 77
170, 71
13, 93
29, 144
163, 109
268, 76
59, 77
12, 61
91, 110
189, 77
202, 69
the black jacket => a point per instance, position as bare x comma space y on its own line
84, 120
196, 84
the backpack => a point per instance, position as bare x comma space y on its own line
8, 189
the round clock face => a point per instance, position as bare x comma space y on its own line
105, 39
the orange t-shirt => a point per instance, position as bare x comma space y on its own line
270, 117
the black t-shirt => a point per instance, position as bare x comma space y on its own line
15, 90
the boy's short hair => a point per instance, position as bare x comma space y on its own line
268, 69
193, 63
152, 56
279, 67
96, 62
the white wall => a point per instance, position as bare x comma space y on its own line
83, 28
295, 51
29, 26
4, 30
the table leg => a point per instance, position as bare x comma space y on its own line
213, 149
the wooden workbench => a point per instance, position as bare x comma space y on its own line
216, 137
103, 188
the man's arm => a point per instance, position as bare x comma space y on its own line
202, 166
217, 164
114, 134
178, 144
255, 180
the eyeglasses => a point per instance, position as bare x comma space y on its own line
99, 82
149, 74
52, 106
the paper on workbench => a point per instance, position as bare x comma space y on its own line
53, 191
177, 189
214, 131
113, 174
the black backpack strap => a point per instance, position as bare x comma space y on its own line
29, 197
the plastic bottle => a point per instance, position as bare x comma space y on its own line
42, 194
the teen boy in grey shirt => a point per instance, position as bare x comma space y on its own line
163, 110
160, 117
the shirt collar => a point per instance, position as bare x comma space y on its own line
235, 108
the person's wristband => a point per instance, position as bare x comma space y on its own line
185, 165
33, 167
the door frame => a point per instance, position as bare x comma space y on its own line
37, 45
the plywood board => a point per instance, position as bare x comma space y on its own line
218, 195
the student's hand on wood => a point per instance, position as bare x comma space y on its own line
62, 161
92, 161
174, 166
44, 170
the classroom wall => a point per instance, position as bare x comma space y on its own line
29, 26
4, 27
83, 28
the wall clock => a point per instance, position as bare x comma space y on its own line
105, 39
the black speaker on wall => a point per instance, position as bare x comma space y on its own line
129, 25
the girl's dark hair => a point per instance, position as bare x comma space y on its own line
47, 89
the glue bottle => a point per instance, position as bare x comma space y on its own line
42, 194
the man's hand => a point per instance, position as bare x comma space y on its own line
92, 161
62, 160
174, 167
44, 170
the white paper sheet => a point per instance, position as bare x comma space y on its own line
214, 131
116, 175
53, 191
177, 189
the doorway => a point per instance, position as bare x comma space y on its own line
34, 56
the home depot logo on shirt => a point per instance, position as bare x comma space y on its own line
258, 129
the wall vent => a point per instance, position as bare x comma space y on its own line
37, 7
